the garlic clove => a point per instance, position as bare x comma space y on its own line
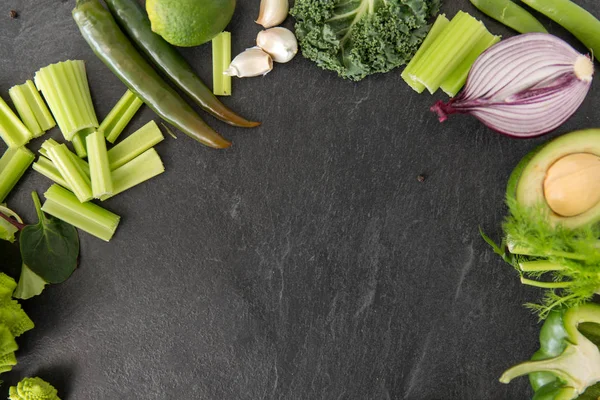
272, 12
572, 186
279, 43
250, 63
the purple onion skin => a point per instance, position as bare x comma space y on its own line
523, 87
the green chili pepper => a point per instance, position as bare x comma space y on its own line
567, 365
583, 25
134, 21
110, 44
510, 14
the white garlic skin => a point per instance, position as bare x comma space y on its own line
273, 12
279, 43
250, 63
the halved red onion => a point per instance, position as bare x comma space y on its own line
524, 86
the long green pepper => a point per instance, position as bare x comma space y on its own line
110, 44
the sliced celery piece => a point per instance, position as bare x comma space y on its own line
78, 142
118, 118
457, 78
102, 184
12, 130
13, 165
448, 51
72, 173
221, 53
140, 169
45, 167
135, 144
51, 142
88, 217
438, 27
31, 108
65, 87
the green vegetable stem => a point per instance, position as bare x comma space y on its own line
510, 14
583, 25
568, 362
110, 44
134, 21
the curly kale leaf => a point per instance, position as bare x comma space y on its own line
357, 38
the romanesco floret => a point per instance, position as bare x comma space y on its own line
33, 389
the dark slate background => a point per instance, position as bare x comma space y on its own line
307, 262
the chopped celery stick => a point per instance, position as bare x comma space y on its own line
45, 167
79, 142
134, 145
71, 172
89, 217
13, 165
102, 184
438, 27
140, 169
448, 51
457, 78
221, 53
118, 118
65, 87
17, 96
12, 130
32, 109
51, 142
39, 107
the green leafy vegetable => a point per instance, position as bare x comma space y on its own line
10, 223
356, 38
50, 248
569, 257
33, 389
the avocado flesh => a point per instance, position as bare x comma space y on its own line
526, 183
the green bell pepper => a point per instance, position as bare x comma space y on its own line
567, 365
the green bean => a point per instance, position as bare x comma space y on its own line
510, 14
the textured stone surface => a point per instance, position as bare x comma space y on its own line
307, 262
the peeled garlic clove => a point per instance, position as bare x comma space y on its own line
272, 12
252, 62
279, 43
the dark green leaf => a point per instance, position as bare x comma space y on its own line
50, 248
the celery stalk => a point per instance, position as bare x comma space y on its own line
118, 118
78, 142
65, 87
438, 27
448, 51
89, 217
12, 130
457, 78
18, 98
102, 184
71, 172
221, 53
13, 165
140, 169
31, 108
134, 145
49, 143
45, 167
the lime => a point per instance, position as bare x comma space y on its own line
188, 23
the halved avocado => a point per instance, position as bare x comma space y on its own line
526, 183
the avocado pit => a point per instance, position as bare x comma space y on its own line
572, 184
